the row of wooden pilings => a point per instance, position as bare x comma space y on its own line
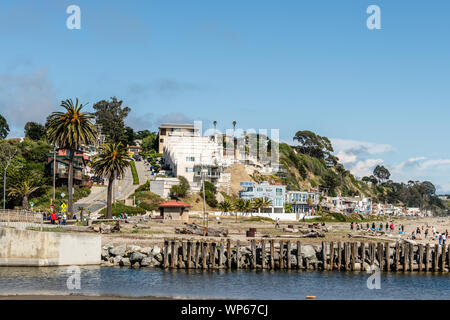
278, 254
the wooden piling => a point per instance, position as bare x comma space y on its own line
331, 256
388, 256
420, 257
411, 257
174, 254
435, 257
212, 255
427, 257
221, 252
189, 255
443, 255
397, 256
372, 253
353, 256
204, 253
229, 254
272, 252
281, 254
339, 255
324, 255
346, 255
184, 246
166, 254
380, 255
253, 249
238, 254
288, 254
405, 256
263, 254
363, 255
299, 255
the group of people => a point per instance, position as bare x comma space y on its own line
58, 218
388, 227
439, 236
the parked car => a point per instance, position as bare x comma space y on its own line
97, 179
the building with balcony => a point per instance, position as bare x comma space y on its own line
303, 201
175, 130
61, 163
275, 193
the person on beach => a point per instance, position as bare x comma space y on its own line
426, 233
373, 226
277, 223
381, 226
367, 226
444, 237
387, 227
440, 239
403, 228
64, 219
351, 226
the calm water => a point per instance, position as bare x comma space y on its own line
223, 284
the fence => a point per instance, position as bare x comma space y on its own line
20, 219
284, 254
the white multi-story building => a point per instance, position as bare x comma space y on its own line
186, 153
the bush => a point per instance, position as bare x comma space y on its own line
210, 187
134, 172
119, 208
210, 198
144, 187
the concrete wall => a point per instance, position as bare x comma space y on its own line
34, 248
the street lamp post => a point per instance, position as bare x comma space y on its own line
4, 187
54, 174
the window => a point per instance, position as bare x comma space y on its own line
189, 169
161, 140
190, 159
279, 191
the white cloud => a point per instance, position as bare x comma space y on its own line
364, 167
360, 147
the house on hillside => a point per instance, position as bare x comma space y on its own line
275, 193
61, 163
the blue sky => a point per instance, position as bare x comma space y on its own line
380, 95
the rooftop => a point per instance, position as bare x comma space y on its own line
174, 203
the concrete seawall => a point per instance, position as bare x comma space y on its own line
34, 248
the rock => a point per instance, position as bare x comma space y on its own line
135, 265
293, 260
105, 228
125, 262
146, 251
118, 251
146, 262
107, 247
158, 257
111, 259
136, 257
106, 264
308, 253
156, 250
117, 259
105, 254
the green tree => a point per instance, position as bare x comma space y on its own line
4, 128
111, 115
381, 173
314, 145
23, 190
225, 206
70, 130
111, 163
150, 142
34, 131
288, 207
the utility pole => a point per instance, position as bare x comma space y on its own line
54, 174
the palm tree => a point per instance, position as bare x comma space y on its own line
111, 163
240, 205
22, 190
266, 203
234, 126
226, 206
257, 204
70, 130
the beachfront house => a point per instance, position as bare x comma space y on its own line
275, 193
302, 201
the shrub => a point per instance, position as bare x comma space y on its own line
134, 172
144, 187
119, 208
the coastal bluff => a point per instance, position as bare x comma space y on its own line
34, 248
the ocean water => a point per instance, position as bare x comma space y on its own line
222, 284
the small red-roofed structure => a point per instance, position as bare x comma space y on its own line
175, 209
